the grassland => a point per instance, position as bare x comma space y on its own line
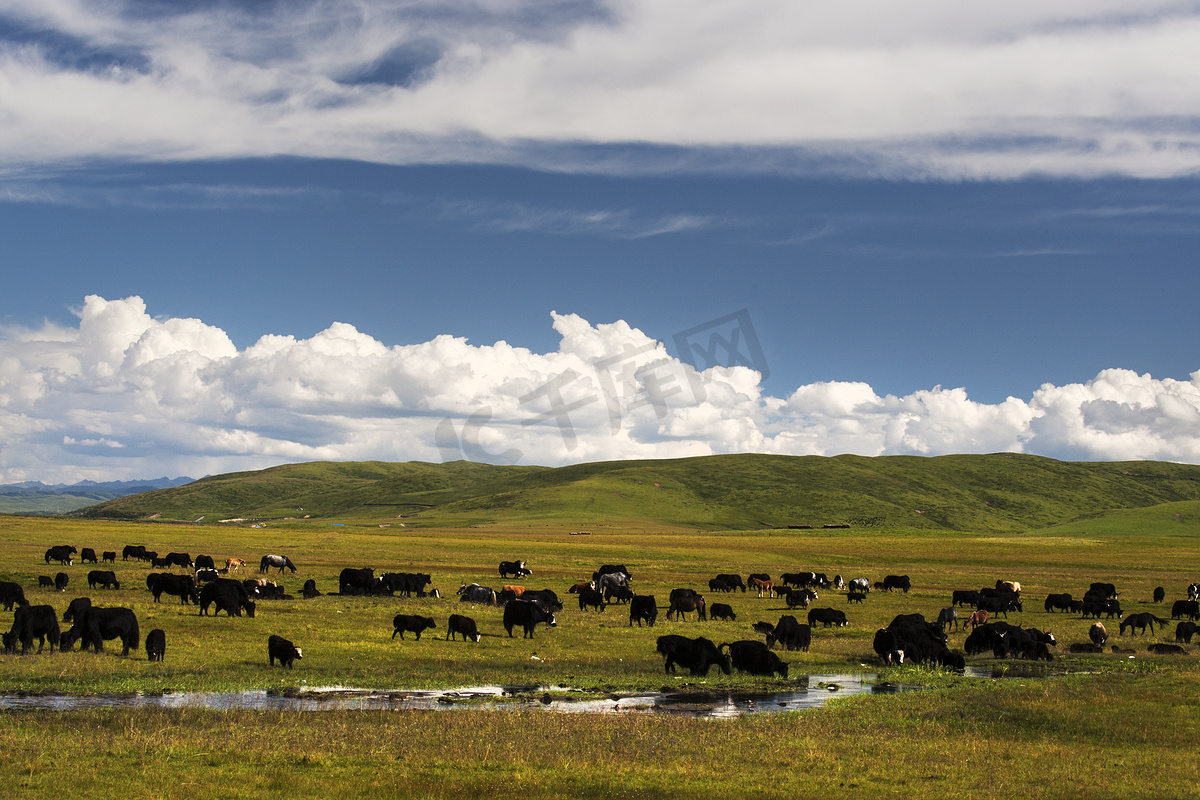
1100, 726
1002, 493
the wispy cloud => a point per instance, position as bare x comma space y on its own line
613, 223
924, 90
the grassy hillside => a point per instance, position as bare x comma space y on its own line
1001, 492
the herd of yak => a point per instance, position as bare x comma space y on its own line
908, 638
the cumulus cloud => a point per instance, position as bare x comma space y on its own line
125, 395
929, 88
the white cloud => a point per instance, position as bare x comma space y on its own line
930, 88
127, 395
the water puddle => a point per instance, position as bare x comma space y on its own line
812, 691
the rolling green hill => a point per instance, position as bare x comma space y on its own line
1000, 492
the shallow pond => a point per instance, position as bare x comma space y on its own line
809, 692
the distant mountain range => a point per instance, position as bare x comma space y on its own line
35, 497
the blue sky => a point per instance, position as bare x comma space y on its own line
238, 234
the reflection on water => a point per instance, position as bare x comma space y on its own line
808, 692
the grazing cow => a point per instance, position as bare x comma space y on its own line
827, 617
753, 657
464, 625
103, 577
948, 617
1194, 591
619, 594
76, 608
1143, 620
10, 594
855, 597
351, 578
88, 556
29, 623
110, 556
888, 646
234, 564
798, 579
643, 607
546, 598
1185, 608
861, 585
680, 591
896, 582
839, 582
791, 633
964, 597
578, 587
732, 581
411, 623
1105, 589
527, 615
800, 598
722, 611
60, 581
148, 555
310, 589
515, 568
227, 595
999, 605
1163, 649
282, 649
1098, 634
1160, 594
156, 645
1184, 631
474, 593
278, 562
697, 655
1008, 586
178, 560
765, 628
97, 624
718, 585
609, 569
764, 587
206, 575
682, 605
181, 586
45, 582
1062, 602
593, 598
135, 550
612, 580
204, 562
513, 591
62, 553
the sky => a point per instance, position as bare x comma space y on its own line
239, 233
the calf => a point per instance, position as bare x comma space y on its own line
88, 556
721, 611
855, 597
827, 617
282, 649
411, 623
156, 645
592, 598
110, 556
464, 625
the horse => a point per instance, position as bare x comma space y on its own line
977, 618
611, 580
765, 588
234, 564
683, 604
279, 562
1142, 620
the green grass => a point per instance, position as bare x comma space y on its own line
1101, 726
1001, 492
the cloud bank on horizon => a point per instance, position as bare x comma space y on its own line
127, 395
931, 89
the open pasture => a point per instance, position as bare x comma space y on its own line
1117, 727
348, 640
